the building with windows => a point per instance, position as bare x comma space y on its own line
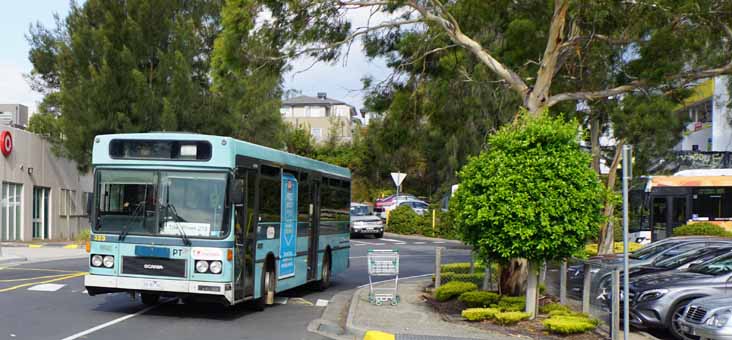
43, 196
321, 116
708, 114
14, 115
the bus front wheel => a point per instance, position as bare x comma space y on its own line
149, 299
267, 290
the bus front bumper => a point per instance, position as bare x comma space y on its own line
101, 284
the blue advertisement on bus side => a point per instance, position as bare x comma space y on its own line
288, 227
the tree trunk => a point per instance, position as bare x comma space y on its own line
606, 240
595, 141
532, 290
513, 277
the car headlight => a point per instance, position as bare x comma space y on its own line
108, 261
719, 319
97, 260
652, 294
215, 267
201, 266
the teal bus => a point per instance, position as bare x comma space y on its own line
215, 219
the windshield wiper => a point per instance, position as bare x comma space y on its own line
135, 214
175, 217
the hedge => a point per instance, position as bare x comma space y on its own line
510, 318
548, 308
476, 278
403, 220
461, 268
564, 324
476, 299
591, 249
479, 314
511, 304
701, 228
453, 289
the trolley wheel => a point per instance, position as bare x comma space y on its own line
325, 273
149, 299
378, 302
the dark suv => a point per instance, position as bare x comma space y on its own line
658, 300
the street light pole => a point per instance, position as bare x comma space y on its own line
627, 154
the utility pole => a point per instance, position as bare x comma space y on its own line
627, 173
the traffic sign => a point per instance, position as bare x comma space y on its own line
398, 177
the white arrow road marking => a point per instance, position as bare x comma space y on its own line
48, 287
321, 303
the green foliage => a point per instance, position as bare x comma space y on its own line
453, 289
569, 324
461, 268
591, 249
83, 236
403, 220
702, 228
531, 195
510, 318
476, 278
476, 299
126, 66
548, 308
511, 303
479, 314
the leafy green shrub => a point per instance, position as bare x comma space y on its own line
453, 289
479, 298
591, 249
461, 268
563, 324
479, 314
403, 220
476, 278
84, 235
548, 308
701, 228
511, 303
510, 318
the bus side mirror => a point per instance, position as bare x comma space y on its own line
236, 194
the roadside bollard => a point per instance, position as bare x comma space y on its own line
563, 283
615, 332
438, 265
586, 286
487, 284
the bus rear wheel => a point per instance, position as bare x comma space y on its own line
149, 299
325, 273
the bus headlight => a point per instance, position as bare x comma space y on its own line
201, 266
108, 261
215, 267
96, 260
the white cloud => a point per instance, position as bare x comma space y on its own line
14, 89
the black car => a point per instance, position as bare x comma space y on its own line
658, 300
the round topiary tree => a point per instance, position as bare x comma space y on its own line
531, 195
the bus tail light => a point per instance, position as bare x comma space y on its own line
88, 246
229, 255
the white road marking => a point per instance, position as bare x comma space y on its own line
438, 242
420, 242
113, 322
394, 241
280, 300
321, 303
401, 278
361, 243
48, 287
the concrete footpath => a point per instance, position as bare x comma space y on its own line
18, 253
350, 316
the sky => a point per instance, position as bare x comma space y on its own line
339, 81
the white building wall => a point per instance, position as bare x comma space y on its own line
49, 171
721, 128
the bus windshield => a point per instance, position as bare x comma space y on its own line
165, 203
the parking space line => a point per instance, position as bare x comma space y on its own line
393, 241
32, 278
113, 322
71, 276
42, 270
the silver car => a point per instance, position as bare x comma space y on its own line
363, 222
708, 318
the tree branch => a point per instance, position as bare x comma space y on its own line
453, 31
684, 77
551, 52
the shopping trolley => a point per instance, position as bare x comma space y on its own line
383, 262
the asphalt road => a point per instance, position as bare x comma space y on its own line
47, 300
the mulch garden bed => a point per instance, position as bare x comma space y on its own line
450, 311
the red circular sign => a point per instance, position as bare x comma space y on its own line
7, 143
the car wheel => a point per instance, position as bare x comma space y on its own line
674, 325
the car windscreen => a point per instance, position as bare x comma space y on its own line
652, 250
689, 256
718, 266
359, 210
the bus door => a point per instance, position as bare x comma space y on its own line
245, 236
314, 230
